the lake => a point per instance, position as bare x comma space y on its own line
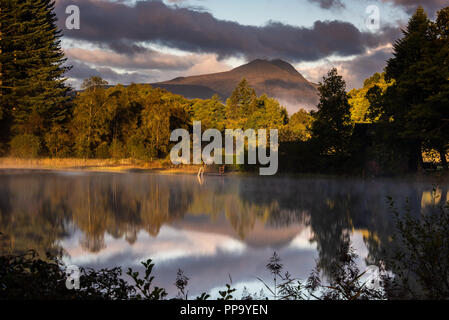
217, 230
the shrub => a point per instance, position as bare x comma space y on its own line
102, 151
25, 146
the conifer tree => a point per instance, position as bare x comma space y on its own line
32, 85
416, 106
409, 90
242, 102
332, 126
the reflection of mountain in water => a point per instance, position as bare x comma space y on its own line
39, 209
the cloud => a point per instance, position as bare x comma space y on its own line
411, 5
146, 59
119, 27
329, 4
87, 63
354, 71
81, 71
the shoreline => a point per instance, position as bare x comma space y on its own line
97, 165
164, 167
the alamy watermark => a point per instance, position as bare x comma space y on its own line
73, 20
373, 278
372, 20
72, 281
258, 150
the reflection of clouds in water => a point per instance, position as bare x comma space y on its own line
171, 244
302, 241
208, 259
359, 245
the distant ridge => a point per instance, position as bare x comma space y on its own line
189, 91
276, 78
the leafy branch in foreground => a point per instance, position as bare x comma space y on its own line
420, 259
346, 281
144, 285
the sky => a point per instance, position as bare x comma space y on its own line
146, 41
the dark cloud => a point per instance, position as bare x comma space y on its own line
81, 71
329, 4
363, 67
119, 27
354, 71
411, 5
146, 59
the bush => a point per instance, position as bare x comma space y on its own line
25, 146
420, 258
102, 151
137, 148
58, 142
117, 150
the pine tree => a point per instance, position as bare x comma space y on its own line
242, 101
408, 69
416, 106
332, 126
33, 93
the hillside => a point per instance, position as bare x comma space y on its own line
276, 78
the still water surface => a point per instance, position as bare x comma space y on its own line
215, 229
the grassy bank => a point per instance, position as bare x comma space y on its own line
107, 165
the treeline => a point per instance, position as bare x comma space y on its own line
383, 127
136, 121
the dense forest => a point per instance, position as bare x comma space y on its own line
387, 125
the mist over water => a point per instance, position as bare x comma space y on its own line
220, 228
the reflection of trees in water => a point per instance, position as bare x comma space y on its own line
36, 209
35, 215
122, 207
334, 208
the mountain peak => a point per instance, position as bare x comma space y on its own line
285, 66
270, 66
276, 78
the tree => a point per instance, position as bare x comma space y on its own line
360, 105
32, 88
414, 108
242, 102
211, 113
409, 69
297, 128
267, 114
332, 125
433, 114
91, 117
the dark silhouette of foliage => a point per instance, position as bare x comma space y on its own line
420, 259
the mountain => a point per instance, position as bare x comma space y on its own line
276, 78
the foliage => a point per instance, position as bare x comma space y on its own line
144, 286
181, 284
297, 128
25, 146
34, 96
331, 127
242, 102
420, 260
413, 109
345, 281
360, 104
28, 277
227, 293
211, 113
